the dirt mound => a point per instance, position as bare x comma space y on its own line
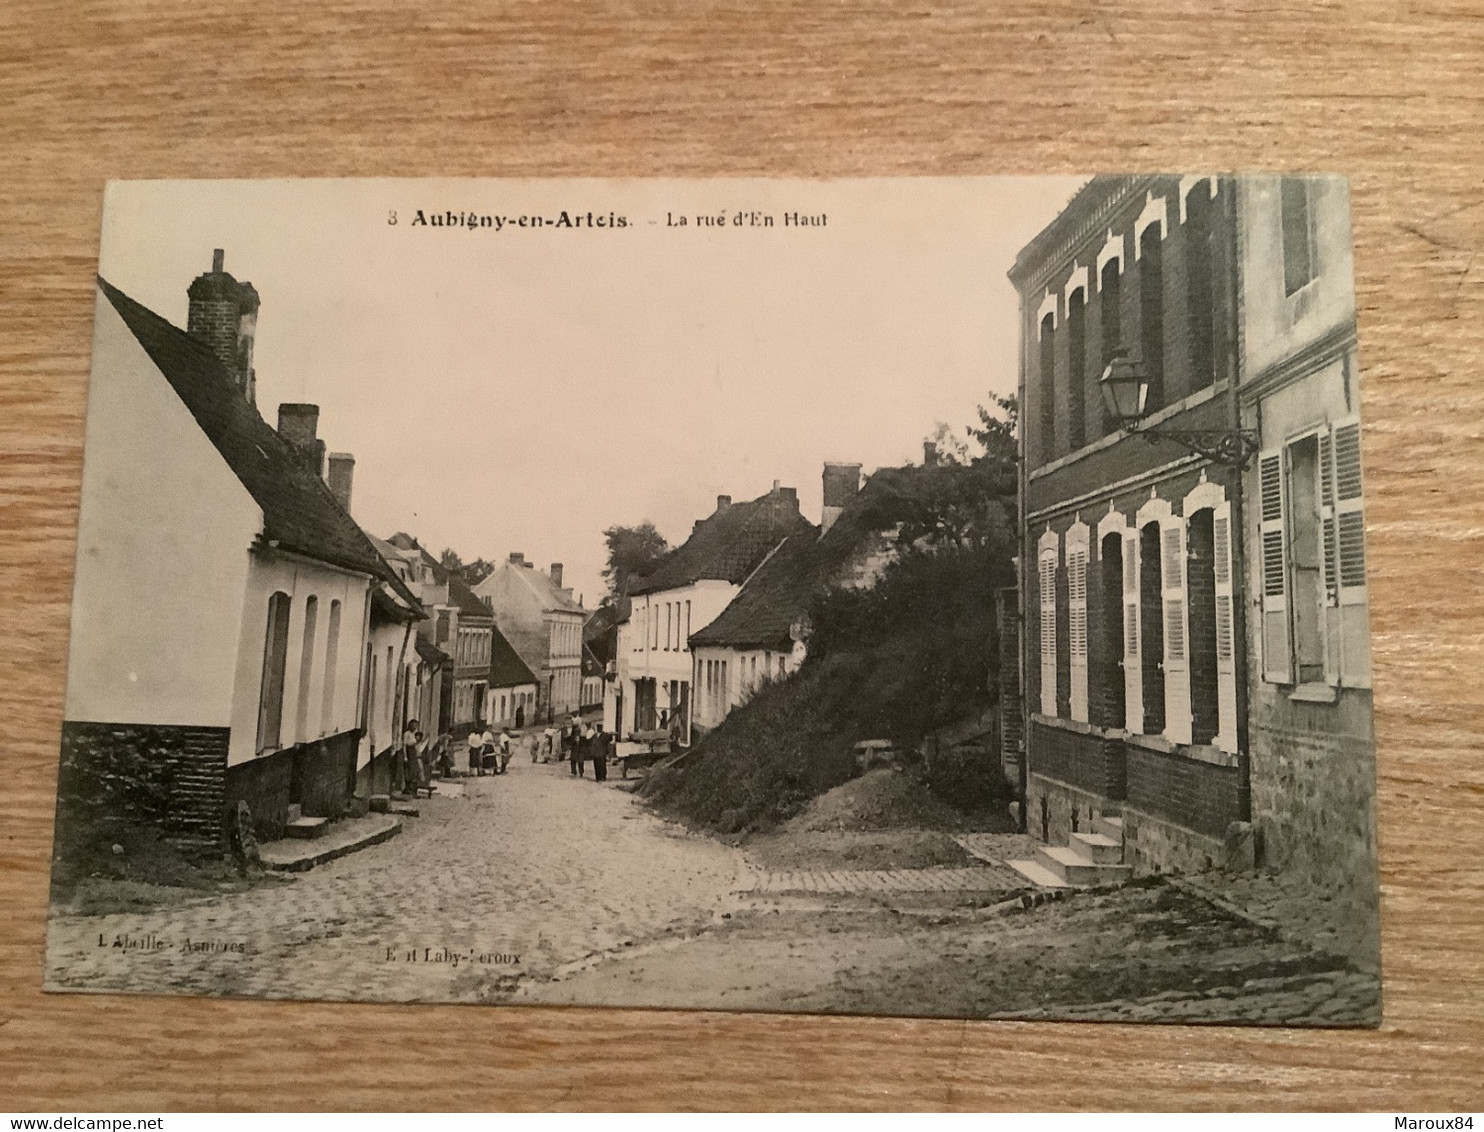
879, 799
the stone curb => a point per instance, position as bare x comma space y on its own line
330, 853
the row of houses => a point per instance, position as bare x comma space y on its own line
237, 637
1194, 659
728, 610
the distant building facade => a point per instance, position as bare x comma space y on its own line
511, 697
539, 617
656, 678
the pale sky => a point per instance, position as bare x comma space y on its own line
523, 389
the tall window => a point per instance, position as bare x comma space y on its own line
1198, 276
332, 660
1048, 388
1076, 369
1152, 312
306, 671
1205, 713
1176, 645
1077, 547
1110, 313
1112, 712
1047, 604
1151, 630
1313, 560
275, 655
1298, 234
685, 641
669, 609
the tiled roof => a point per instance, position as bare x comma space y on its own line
550, 595
403, 541
299, 512
774, 598
507, 670
730, 543
431, 652
468, 603
779, 593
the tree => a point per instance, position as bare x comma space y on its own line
633, 553
472, 573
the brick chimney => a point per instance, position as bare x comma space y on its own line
342, 471
223, 313
298, 424
556, 574
929, 453
517, 558
842, 482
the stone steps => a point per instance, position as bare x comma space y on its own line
1097, 847
1075, 869
306, 829
1038, 874
1109, 826
1088, 859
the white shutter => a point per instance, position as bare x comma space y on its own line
1077, 619
1354, 654
1176, 630
1226, 645
1048, 628
1277, 650
1133, 676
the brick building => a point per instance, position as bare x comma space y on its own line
1195, 650
1132, 671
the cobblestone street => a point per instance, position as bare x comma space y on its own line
530, 870
541, 887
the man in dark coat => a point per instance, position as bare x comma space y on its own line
600, 756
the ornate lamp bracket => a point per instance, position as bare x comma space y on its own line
1232, 448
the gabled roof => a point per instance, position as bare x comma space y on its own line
468, 603
299, 512
403, 541
764, 612
728, 545
780, 591
547, 591
507, 670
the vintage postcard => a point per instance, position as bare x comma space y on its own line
917, 596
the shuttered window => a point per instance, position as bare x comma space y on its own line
1077, 554
1277, 655
1176, 658
1133, 676
1339, 557
1047, 606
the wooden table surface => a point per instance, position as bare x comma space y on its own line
1389, 93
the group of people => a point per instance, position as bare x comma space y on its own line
416, 760
583, 744
487, 754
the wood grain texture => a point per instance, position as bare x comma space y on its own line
1387, 92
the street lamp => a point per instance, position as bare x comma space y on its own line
1125, 390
